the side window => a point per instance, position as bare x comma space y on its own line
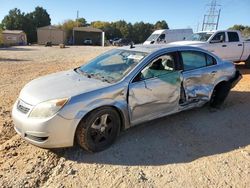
161, 37
210, 60
219, 37
233, 37
158, 67
193, 60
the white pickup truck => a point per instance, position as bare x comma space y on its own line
227, 44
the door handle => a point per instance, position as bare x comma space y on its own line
239, 44
224, 45
147, 86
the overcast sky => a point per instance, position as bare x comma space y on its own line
177, 13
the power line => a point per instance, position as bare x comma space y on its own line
212, 17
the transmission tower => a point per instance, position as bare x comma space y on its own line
212, 17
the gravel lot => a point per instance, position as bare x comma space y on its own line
196, 148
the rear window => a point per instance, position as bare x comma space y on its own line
233, 37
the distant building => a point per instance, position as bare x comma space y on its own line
51, 34
88, 36
14, 37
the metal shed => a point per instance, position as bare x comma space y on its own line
14, 37
51, 34
80, 34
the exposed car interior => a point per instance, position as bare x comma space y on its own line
160, 66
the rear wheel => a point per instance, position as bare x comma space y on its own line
247, 63
99, 129
219, 94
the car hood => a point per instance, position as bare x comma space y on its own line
191, 43
58, 85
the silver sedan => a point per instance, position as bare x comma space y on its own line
119, 89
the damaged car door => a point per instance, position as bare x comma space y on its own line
199, 75
155, 91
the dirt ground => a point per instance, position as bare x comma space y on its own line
196, 148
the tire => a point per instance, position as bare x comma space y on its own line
219, 94
247, 63
99, 129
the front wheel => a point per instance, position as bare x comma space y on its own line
99, 129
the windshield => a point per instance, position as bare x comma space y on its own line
112, 66
199, 37
153, 37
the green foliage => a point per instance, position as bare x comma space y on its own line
1, 37
245, 30
81, 22
141, 31
138, 32
161, 25
17, 20
68, 25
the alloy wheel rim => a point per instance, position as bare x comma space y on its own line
101, 129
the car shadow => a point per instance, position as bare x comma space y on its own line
16, 48
179, 138
242, 68
12, 60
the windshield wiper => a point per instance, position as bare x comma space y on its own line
107, 79
98, 76
78, 70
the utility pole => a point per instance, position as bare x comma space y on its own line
198, 26
77, 17
212, 17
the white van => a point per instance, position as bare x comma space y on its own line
168, 35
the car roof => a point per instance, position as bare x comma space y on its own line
150, 48
155, 47
213, 31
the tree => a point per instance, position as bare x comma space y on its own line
141, 31
237, 27
1, 26
81, 22
15, 20
138, 32
40, 17
1, 37
68, 26
124, 28
245, 30
161, 25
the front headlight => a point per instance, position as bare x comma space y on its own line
48, 108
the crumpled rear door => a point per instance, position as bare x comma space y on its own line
199, 83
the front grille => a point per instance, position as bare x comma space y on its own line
22, 108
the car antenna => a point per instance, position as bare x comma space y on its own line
132, 45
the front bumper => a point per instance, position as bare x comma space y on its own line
237, 77
52, 132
